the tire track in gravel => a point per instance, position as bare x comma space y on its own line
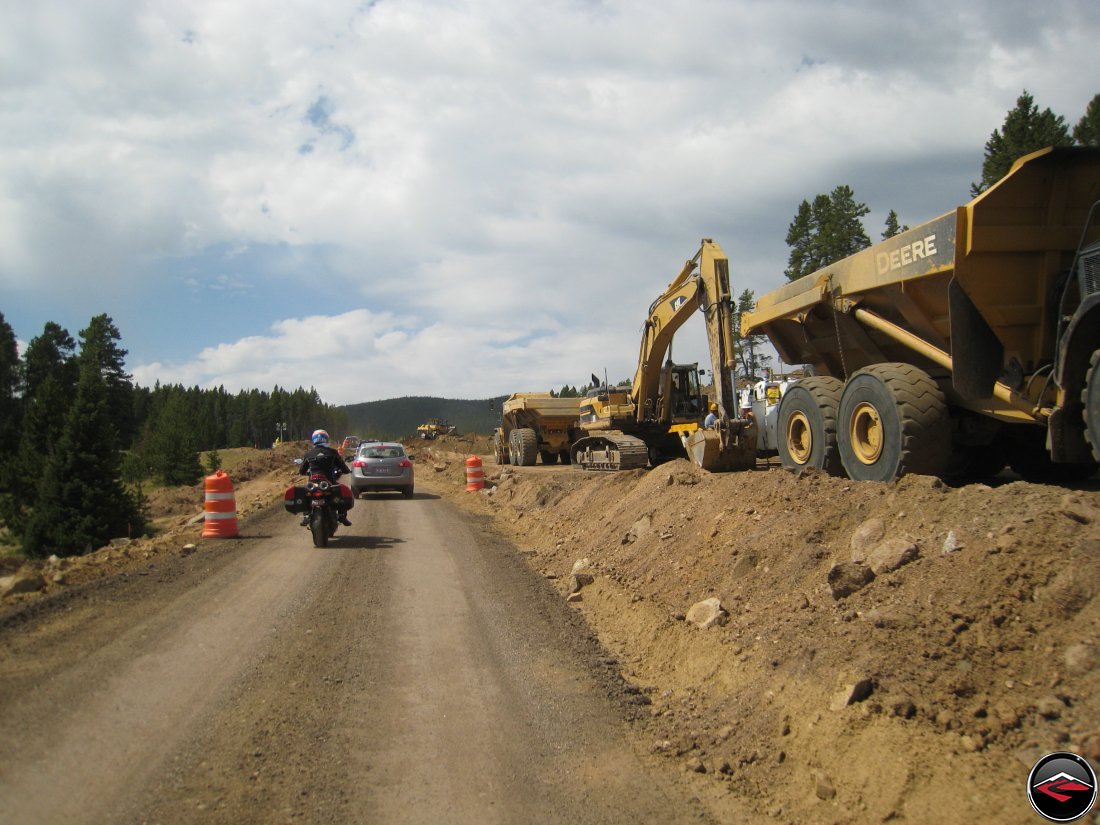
414, 671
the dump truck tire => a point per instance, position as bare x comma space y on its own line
806, 425
1090, 400
893, 421
525, 446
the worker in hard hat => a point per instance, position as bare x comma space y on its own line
711, 421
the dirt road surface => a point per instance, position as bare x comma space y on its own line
415, 671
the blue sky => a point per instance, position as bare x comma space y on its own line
469, 198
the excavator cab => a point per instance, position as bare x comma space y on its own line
680, 395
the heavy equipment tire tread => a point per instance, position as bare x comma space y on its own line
924, 424
824, 392
1091, 411
925, 421
528, 443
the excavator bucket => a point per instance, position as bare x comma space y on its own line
706, 450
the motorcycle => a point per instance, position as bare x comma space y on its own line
320, 500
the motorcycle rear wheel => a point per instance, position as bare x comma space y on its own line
318, 528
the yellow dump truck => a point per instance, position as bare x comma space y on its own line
534, 424
957, 347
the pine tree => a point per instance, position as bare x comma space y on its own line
1087, 130
747, 347
170, 446
99, 347
10, 388
10, 414
801, 235
1025, 130
43, 424
50, 354
825, 232
892, 226
82, 503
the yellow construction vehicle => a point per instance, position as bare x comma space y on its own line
956, 347
434, 428
660, 415
534, 424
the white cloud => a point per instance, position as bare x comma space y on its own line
361, 356
508, 182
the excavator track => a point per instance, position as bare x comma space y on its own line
610, 451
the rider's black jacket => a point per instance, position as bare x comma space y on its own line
323, 459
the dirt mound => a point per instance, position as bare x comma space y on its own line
883, 643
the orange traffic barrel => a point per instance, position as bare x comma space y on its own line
220, 510
475, 476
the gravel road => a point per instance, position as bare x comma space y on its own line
414, 671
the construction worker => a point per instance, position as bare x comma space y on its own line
711, 421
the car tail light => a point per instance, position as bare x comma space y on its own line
404, 463
358, 463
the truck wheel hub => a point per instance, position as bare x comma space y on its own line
799, 437
866, 432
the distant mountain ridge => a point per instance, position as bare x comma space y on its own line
395, 418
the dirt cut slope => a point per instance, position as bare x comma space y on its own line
890, 652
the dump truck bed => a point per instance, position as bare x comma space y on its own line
980, 282
543, 405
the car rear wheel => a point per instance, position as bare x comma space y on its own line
407, 492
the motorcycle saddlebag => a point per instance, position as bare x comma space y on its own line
294, 499
345, 494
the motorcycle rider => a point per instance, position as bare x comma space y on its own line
324, 459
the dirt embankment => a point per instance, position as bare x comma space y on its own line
175, 516
891, 652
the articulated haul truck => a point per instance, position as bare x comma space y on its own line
956, 348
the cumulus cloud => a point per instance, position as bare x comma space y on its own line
508, 182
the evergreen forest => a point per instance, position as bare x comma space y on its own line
78, 438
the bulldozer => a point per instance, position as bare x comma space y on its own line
660, 415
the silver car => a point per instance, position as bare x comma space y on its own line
381, 465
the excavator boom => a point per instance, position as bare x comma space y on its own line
664, 401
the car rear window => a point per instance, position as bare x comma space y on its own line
383, 452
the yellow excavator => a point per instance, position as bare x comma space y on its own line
661, 414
